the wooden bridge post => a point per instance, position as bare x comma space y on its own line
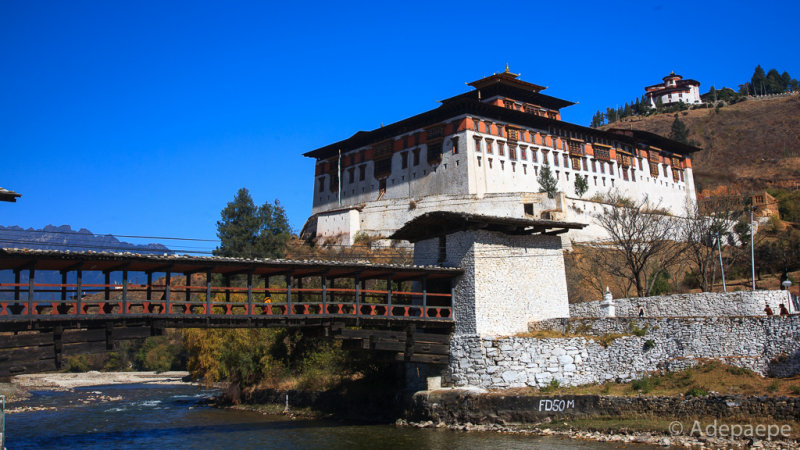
106, 289
289, 280
324, 282
79, 291
149, 287
358, 295
227, 280
250, 293
125, 291
188, 284
167, 290
389, 295
63, 285
424, 284
208, 292
17, 280
31, 276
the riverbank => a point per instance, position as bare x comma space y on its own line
711, 421
65, 381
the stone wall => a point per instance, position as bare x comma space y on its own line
764, 345
508, 281
704, 304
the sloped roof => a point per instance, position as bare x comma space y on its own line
8, 195
438, 223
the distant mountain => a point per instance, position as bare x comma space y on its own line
65, 238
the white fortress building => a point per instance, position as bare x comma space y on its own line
480, 153
673, 90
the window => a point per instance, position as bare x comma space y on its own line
594, 166
435, 152
489, 145
416, 157
362, 172
534, 154
654, 170
602, 167
501, 148
476, 125
575, 147
351, 175
513, 134
383, 167
566, 160
555, 159
528, 207
477, 145
584, 163
322, 184
512, 152
576, 163
404, 160
435, 132
454, 143
523, 153
602, 153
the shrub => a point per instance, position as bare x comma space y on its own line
78, 363
645, 384
735, 370
773, 387
795, 390
648, 344
639, 331
160, 353
554, 384
696, 392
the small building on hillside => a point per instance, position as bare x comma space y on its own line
765, 205
673, 90
513, 268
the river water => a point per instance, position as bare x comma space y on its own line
170, 416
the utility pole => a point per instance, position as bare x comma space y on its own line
752, 250
721, 267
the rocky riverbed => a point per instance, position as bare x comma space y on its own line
644, 438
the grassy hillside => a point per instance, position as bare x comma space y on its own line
753, 144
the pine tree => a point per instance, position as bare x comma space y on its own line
246, 231
547, 182
774, 83
581, 184
679, 131
786, 81
758, 81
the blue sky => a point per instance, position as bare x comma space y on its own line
144, 118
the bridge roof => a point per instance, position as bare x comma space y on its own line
15, 258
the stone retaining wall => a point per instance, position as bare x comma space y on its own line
707, 304
460, 406
767, 345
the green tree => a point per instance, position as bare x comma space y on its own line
774, 82
679, 131
547, 182
581, 184
758, 81
246, 231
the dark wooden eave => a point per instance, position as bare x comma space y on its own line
461, 105
8, 195
440, 223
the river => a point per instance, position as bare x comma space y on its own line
171, 416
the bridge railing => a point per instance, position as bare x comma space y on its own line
160, 299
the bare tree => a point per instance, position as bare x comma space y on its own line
705, 230
643, 237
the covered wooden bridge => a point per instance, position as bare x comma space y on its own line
51, 303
